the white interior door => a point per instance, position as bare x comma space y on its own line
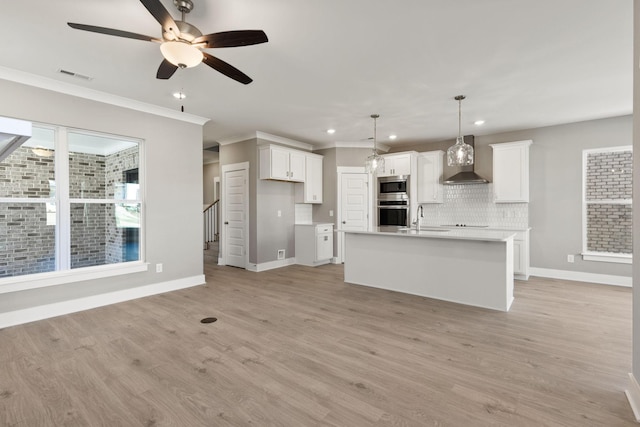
354, 206
236, 224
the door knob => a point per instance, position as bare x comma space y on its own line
226, 223
344, 222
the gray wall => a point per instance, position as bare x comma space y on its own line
173, 200
555, 208
209, 171
267, 232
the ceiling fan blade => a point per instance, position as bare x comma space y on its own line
112, 32
162, 16
166, 70
233, 38
226, 69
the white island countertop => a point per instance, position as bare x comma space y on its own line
443, 233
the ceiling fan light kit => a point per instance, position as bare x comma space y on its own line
182, 44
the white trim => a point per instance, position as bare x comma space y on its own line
608, 257
586, 203
270, 265
371, 185
33, 314
267, 137
94, 95
54, 278
633, 396
581, 276
243, 166
284, 141
352, 144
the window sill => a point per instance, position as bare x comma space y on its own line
608, 257
41, 280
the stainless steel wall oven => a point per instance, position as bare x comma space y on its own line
393, 201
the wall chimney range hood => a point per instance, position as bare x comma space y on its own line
466, 175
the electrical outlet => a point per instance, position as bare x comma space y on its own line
331, 213
158, 268
279, 212
280, 253
570, 258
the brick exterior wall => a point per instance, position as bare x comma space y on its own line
28, 243
609, 226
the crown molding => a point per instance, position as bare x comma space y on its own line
352, 144
270, 138
95, 95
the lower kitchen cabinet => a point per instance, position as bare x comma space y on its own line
521, 255
314, 244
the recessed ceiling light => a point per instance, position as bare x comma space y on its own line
179, 95
478, 122
393, 136
331, 131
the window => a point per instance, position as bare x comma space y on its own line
69, 200
607, 209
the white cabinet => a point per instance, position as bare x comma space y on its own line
314, 244
281, 163
429, 179
313, 179
521, 255
396, 164
511, 172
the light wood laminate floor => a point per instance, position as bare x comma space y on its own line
298, 347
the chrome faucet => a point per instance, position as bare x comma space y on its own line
419, 214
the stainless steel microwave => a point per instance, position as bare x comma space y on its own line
393, 187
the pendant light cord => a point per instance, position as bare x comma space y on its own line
375, 121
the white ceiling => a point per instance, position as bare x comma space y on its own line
332, 63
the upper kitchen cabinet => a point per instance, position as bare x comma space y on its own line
281, 163
312, 188
396, 164
511, 172
429, 179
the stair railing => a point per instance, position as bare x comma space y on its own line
211, 215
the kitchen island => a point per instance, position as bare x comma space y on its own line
473, 267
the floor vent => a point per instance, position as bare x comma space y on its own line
76, 75
208, 320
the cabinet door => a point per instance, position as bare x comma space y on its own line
279, 163
402, 165
324, 246
429, 176
296, 166
313, 180
517, 257
511, 172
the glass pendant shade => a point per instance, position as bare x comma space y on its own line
460, 154
375, 162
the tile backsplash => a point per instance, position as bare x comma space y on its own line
473, 205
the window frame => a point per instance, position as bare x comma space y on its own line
63, 202
612, 257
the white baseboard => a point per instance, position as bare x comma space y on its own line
41, 312
271, 265
633, 396
580, 276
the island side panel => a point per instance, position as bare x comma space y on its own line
472, 272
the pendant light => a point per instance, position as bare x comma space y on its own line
460, 154
375, 162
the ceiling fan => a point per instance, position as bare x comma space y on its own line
182, 44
